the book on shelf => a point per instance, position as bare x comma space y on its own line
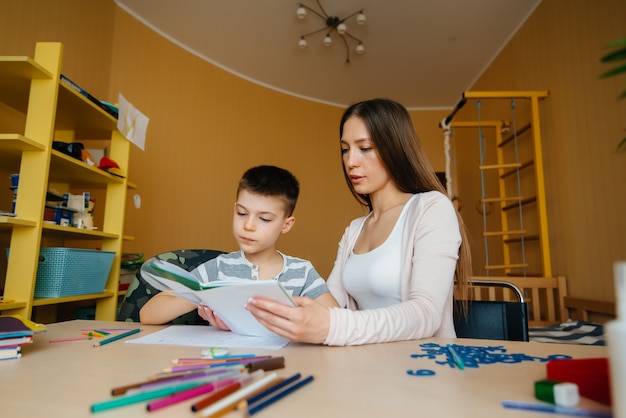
107, 107
226, 298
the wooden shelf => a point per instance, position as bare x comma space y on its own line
78, 114
5, 306
64, 168
33, 88
16, 74
11, 148
67, 299
9, 222
71, 232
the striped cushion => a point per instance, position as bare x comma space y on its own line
570, 332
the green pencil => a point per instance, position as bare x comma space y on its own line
117, 337
142, 396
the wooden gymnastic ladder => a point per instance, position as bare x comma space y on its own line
521, 195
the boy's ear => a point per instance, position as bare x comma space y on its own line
288, 224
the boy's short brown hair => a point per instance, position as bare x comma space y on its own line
269, 180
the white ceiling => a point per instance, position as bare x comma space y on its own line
422, 53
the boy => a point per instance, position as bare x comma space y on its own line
266, 199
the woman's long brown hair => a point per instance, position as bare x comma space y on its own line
392, 132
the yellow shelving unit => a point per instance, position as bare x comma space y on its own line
32, 86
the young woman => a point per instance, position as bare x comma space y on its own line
394, 276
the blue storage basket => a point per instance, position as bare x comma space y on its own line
69, 272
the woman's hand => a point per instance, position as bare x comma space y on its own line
308, 322
207, 314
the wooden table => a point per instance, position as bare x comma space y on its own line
64, 379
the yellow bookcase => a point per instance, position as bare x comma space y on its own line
32, 87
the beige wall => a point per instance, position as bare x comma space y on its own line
207, 126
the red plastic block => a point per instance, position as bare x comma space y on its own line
590, 374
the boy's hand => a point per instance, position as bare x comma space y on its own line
207, 314
308, 322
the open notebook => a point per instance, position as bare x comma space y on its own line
226, 298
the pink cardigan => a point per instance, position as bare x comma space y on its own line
431, 241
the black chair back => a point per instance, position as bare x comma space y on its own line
493, 320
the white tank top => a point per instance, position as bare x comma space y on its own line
373, 278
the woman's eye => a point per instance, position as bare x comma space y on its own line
344, 150
241, 214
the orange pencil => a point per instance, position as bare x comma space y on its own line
216, 396
240, 403
230, 402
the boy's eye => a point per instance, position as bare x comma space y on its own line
265, 219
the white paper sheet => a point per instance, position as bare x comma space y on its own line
206, 336
132, 123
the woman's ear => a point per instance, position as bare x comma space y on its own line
288, 224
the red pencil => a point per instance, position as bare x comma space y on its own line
188, 394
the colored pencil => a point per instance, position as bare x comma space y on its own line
213, 358
230, 402
140, 397
179, 380
274, 398
455, 357
62, 340
225, 391
216, 396
189, 393
279, 385
117, 337
189, 362
171, 377
269, 364
233, 356
212, 363
107, 329
555, 409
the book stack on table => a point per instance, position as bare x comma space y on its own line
16, 332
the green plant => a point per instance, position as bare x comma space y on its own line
617, 55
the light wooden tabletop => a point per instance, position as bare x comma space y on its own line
378, 380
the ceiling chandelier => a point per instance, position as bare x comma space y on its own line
333, 24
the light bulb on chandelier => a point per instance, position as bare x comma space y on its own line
360, 19
333, 24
